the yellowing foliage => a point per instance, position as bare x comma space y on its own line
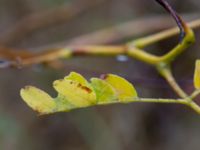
74, 91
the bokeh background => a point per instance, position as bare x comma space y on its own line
38, 25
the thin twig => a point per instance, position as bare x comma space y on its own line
166, 72
28, 56
195, 94
118, 32
183, 101
143, 42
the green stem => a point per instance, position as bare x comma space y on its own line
194, 106
147, 100
187, 41
160, 100
151, 39
184, 101
134, 50
165, 71
195, 94
143, 56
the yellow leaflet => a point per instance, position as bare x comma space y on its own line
123, 88
104, 91
197, 75
77, 94
76, 77
38, 100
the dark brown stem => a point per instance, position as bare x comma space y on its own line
177, 18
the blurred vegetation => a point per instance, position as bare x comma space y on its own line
116, 127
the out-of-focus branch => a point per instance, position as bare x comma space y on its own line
18, 58
116, 33
25, 58
45, 18
143, 42
124, 30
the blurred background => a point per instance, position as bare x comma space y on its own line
44, 24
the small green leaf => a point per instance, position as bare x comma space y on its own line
197, 75
38, 100
123, 88
103, 90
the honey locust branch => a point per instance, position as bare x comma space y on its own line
30, 58
132, 49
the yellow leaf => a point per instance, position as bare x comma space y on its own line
76, 77
197, 75
104, 91
38, 100
76, 93
123, 88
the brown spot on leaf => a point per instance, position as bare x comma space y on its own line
84, 88
79, 85
104, 76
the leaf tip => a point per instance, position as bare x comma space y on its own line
38, 100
